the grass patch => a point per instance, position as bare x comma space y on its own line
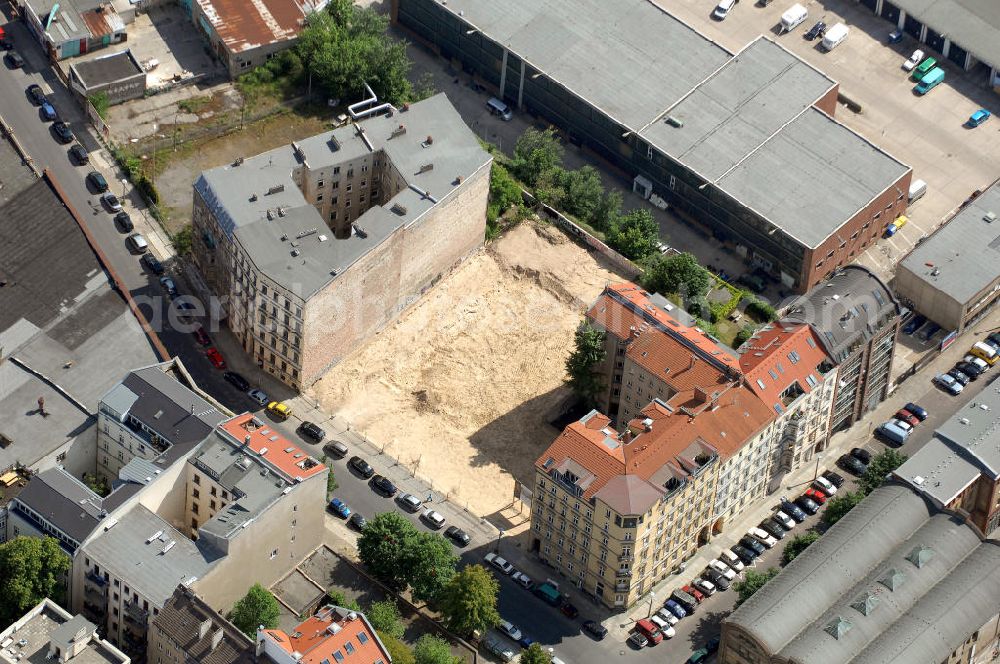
194, 104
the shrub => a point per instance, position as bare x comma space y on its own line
760, 310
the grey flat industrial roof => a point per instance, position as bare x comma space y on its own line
962, 258
972, 24
938, 471
973, 431
48, 623
14, 172
107, 68
812, 176
630, 58
454, 152
738, 108
123, 550
63, 501
852, 304
864, 576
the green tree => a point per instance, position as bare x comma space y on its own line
680, 273
634, 235
182, 240
428, 563
98, 485
752, 582
469, 601
584, 192
383, 545
31, 569
882, 464
549, 187
536, 152
257, 607
840, 505
587, 354
535, 655
385, 617
338, 598
743, 335
100, 103
608, 211
431, 649
399, 652
797, 545
331, 483
504, 189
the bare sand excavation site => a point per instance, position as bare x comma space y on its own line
465, 382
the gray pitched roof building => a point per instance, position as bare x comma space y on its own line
896, 581
188, 630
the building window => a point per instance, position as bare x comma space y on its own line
319, 197
194, 508
197, 479
349, 187
195, 493
336, 169
319, 184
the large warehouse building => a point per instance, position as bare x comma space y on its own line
743, 143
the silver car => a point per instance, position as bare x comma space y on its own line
409, 501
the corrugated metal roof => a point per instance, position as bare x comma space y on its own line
247, 24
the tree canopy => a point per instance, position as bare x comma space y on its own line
584, 191
398, 651
429, 564
536, 152
587, 353
386, 619
840, 505
535, 654
469, 601
382, 547
882, 464
258, 607
797, 545
634, 235
752, 582
680, 273
431, 649
31, 569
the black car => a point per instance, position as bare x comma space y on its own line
713, 643
753, 545
313, 431
457, 535
836, 479
993, 340
914, 324
862, 455
79, 154
793, 510
6, 44
595, 629
14, 60
569, 610
237, 381
918, 411
124, 223
97, 181
36, 95
63, 132
969, 369
383, 485
744, 554
851, 465
960, 377
816, 31
807, 504
717, 579
358, 521
153, 265
361, 466
772, 529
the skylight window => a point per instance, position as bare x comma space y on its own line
761, 384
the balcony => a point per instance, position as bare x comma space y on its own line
135, 613
621, 587
96, 611
623, 557
623, 574
152, 440
97, 581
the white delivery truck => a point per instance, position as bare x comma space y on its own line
794, 17
834, 36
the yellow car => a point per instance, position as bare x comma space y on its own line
279, 410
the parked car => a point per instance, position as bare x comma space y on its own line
699, 596
279, 410
783, 520
258, 395
336, 448
97, 181
667, 617
978, 362
201, 336
340, 508
522, 579
977, 118
731, 560
215, 357
698, 656
595, 629
14, 60
649, 630
497, 646
722, 568
772, 529
35, 94
457, 535
358, 521
153, 265
816, 31
908, 417
498, 562
236, 380
969, 369
124, 223
361, 466
717, 579
919, 411
570, 611
851, 465
835, 478
763, 537
752, 281
315, 432
994, 339
862, 455
807, 504
111, 202
723, 9
510, 629
409, 502
959, 377
665, 629
673, 607
383, 485
913, 60
745, 555
167, 284
815, 495
433, 519
792, 510
712, 645
638, 640
914, 324
79, 154
48, 111
706, 587
63, 132
825, 485
753, 544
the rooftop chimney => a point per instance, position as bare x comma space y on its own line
216, 638
203, 627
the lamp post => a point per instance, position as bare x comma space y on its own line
819, 457
652, 596
499, 537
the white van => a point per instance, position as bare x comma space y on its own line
500, 109
834, 36
794, 17
917, 189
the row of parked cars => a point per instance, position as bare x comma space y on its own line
983, 355
898, 429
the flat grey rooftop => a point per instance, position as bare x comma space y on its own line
731, 114
938, 471
812, 176
972, 24
630, 58
973, 431
14, 173
962, 257
39, 631
107, 68
124, 552
295, 247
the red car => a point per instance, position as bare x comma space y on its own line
694, 592
215, 357
908, 417
816, 495
649, 630
202, 336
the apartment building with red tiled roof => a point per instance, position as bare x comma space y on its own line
334, 635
